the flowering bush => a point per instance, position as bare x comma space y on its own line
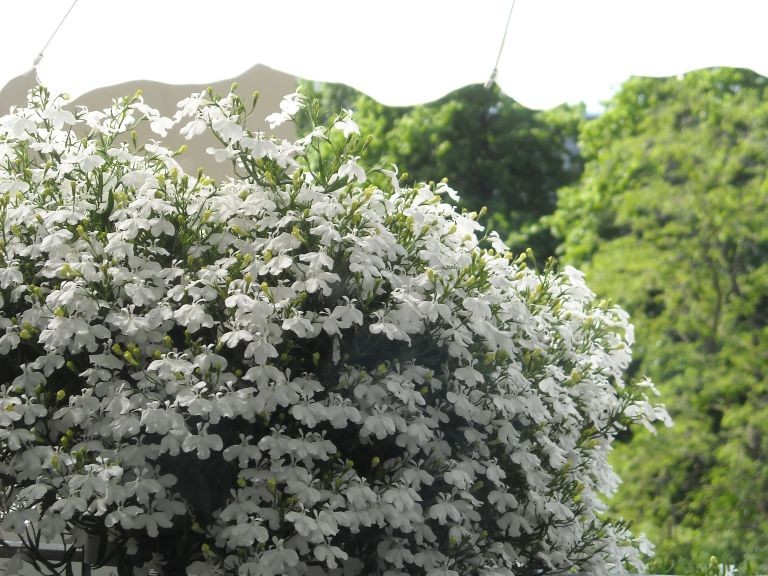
309, 368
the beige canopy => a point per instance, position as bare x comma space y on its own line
271, 85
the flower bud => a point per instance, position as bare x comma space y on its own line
296, 233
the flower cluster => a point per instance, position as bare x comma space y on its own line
309, 368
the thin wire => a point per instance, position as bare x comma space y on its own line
39, 56
490, 82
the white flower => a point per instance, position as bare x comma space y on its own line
194, 400
158, 516
329, 554
391, 330
346, 124
300, 326
380, 424
351, 170
245, 533
193, 316
228, 129
59, 117
73, 334
221, 154
243, 452
194, 128
18, 124
161, 125
124, 515
88, 163
289, 106
68, 507
202, 442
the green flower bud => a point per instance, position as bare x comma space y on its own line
296, 233
128, 357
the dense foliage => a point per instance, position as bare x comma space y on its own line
670, 218
500, 154
292, 371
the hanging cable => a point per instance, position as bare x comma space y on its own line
490, 82
39, 56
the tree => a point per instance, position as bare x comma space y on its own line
669, 217
292, 371
498, 153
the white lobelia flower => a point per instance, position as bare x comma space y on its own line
351, 170
202, 442
346, 124
161, 125
193, 317
285, 372
289, 107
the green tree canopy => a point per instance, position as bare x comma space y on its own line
493, 151
669, 218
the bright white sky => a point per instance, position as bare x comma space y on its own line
398, 51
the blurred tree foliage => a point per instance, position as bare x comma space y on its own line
669, 219
493, 151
